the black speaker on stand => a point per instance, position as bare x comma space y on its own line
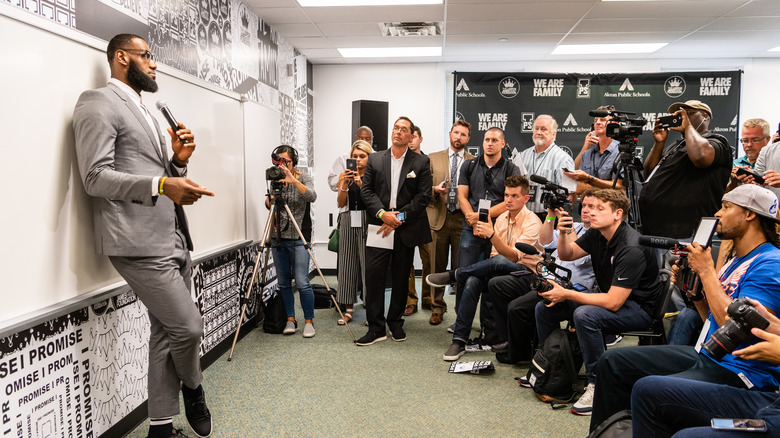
373, 114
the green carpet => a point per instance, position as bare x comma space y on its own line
326, 386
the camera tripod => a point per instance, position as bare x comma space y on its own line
626, 164
276, 201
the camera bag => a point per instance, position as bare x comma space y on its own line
618, 425
554, 368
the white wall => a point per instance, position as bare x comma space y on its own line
419, 91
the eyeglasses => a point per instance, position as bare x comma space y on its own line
752, 140
147, 55
403, 129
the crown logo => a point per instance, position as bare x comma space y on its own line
674, 83
509, 83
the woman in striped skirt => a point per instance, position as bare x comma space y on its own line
352, 230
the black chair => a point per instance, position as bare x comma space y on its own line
655, 334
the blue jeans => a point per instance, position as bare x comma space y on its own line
663, 405
473, 281
686, 327
472, 250
591, 324
292, 261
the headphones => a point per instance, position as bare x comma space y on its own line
289, 150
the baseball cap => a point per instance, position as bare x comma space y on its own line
754, 198
693, 104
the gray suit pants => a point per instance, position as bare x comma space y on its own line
163, 285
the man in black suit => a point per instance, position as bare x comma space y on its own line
395, 182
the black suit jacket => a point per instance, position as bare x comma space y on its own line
414, 194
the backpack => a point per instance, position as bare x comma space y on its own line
618, 425
554, 368
322, 296
275, 317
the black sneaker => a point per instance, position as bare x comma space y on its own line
440, 279
198, 414
398, 335
455, 351
370, 338
523, 381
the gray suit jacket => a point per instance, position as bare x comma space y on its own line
118, 159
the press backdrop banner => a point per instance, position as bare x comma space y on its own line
512, 101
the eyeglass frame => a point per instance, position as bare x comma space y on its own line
147, 55
753, 140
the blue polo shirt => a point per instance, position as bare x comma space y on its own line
600, 164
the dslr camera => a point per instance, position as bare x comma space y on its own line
275, 173
545, 269
743, 318
553, 196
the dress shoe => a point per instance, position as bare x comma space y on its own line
435, 318
197, 413
410, 309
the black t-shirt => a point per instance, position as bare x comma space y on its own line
679, 194
623, 262
485, 182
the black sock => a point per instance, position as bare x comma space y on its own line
164, 430
190, 393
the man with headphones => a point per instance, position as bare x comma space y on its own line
686, 180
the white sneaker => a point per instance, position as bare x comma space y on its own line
308, 330
584, 405
290, 328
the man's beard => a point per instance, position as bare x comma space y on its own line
539, 141
139, 79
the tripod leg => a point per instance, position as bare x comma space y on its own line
306, 245
263, 241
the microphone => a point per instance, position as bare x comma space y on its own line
599, 113
526, 248
539, 180
660, 242
163, 107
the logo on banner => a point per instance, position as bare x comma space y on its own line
462, 86
527, 122
459, 116
583, 88
548, 87
626, 86
674, 86
489, 120
714, 86
570, 121
508, 87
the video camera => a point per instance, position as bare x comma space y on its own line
687, 280
621, 127
553, 195
546, 268
275, 173
743, 318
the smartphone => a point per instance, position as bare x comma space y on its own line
401, 216
352, 164
566, 170
483, 215
704, 232
756, 177
579, 288
743, 425
670, 121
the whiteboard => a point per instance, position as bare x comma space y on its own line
46, 223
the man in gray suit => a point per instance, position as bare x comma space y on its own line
137, 192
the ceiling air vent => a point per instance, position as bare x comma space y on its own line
411, 28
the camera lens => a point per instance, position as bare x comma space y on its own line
725, 339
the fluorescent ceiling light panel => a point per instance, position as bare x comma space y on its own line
317, 3
606, 49
389, 52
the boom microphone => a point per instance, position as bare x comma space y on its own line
660, 242
526, 248
599, 113
539, 180
163, 107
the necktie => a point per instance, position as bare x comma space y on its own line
452, 193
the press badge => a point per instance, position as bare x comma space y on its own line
355, 218
532, 193
484, 204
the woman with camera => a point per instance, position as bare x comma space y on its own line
291, 258
352, 228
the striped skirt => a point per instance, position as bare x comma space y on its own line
351, 259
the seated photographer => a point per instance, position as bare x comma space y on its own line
517, 224
513, 305
595, 165
624, 269
748, 218
665, 405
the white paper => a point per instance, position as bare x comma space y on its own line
375, 240
569, 183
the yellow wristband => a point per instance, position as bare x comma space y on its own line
162, 181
